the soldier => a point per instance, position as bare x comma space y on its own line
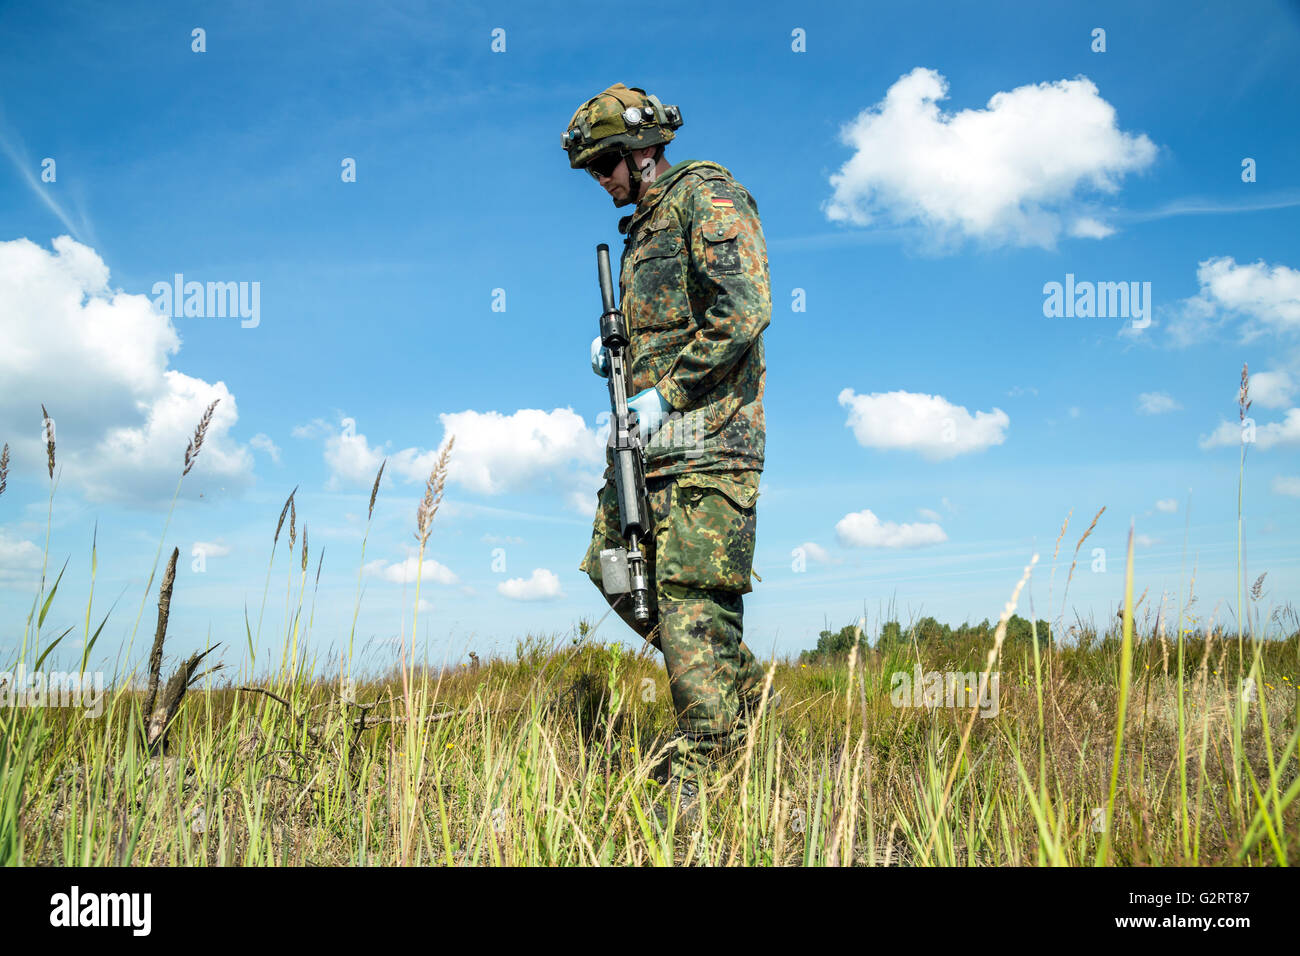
695, 290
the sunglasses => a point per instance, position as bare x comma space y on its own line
603, 165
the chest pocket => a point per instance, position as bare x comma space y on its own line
658, 284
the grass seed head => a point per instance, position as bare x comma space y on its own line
283, 511
4, 468
49, 437
433, 489
196, 443
375, 490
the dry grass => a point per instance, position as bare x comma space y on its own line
1120, 747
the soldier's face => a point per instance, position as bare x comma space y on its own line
615, 180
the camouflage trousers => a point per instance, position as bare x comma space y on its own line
699, 558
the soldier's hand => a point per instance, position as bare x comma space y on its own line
651, 409
599, 358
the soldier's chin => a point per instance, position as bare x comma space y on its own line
625, 201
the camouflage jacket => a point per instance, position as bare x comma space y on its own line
695, 289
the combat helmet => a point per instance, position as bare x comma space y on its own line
622, 119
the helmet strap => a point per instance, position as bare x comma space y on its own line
633, 180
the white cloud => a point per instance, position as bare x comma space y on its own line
543, 585
20, 561
211, 549
1167, 505
263, 443
1144, 540
316, 428
404, 572
1264, 298
815, 552
1157, 403
98, 358
1285, 432
862, 529
927, 424
1287, 485
1074, 411
929, 514
1012, 172
1272, 389
494, 454
1085, 227
352, 462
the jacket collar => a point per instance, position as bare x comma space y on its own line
662, 186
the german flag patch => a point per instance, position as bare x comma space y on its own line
723, 204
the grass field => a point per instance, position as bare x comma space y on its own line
1169, 742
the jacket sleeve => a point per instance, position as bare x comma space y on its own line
726, 269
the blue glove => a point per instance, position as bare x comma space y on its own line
599, 358
651, 409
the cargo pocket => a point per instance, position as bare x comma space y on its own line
708, 541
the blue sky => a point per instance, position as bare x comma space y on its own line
921, 171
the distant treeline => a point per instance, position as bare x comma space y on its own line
974, 640
927, 630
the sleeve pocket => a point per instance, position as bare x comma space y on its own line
721, 252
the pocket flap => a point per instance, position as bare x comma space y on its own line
661, 244
740, 486
718, 230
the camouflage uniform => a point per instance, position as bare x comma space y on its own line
695, 290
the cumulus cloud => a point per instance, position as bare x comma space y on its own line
1157, 403
497, 453
862, 529
927, 424
543, 585
1287, 485
99, 359
1015, 172
404, 572
929, 514
1167, 505
1272, 389
494, 454
1285, 432
1262, 298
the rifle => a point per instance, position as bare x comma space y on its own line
623, 570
